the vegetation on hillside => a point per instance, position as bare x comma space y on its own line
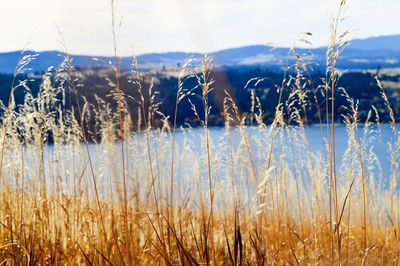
361, 86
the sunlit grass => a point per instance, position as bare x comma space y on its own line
100, 194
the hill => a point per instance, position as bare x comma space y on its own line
370, 53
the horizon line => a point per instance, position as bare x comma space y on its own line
192, 52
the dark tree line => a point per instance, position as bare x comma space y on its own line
362, 87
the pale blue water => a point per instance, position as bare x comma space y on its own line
377, 141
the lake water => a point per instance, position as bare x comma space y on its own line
291, 147
376, 143
378, 138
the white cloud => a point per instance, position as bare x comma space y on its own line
189, 25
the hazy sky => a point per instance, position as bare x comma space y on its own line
184, 25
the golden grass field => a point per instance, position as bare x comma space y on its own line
139, 198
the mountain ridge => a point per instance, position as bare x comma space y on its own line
373, 52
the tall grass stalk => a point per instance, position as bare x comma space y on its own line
110, 182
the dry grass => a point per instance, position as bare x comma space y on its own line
255, 196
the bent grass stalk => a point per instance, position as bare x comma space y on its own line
55, 209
